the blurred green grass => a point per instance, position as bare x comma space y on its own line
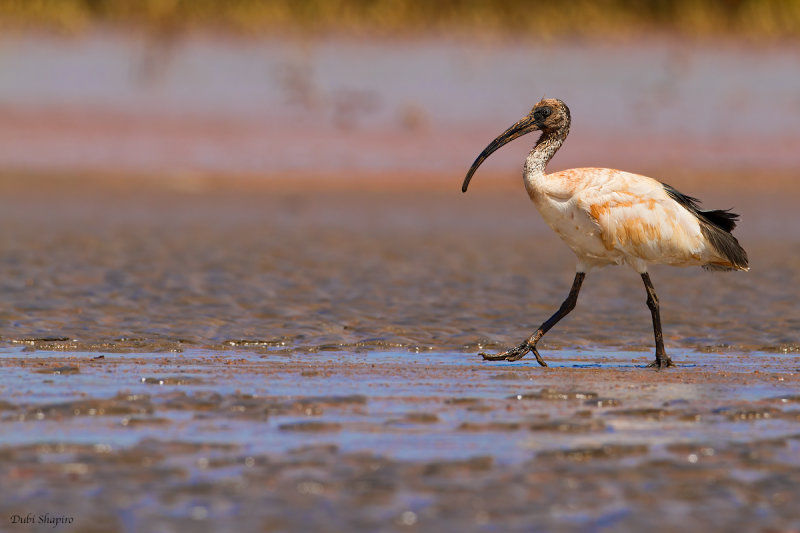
527, 19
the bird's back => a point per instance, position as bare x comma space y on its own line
609, 216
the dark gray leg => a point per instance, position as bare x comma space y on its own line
662, 359
529, 345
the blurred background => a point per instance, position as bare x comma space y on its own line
390, 91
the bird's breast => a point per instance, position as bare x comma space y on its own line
573, 225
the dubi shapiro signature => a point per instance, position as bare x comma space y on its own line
46, 518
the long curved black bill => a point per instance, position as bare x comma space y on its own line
520, 128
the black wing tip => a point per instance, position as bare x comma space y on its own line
716, 226
723, 219
727, 246
687, 201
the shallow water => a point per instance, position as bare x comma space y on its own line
387, 441
360, 402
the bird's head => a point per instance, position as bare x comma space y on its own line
549, 115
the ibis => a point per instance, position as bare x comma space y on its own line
612, 217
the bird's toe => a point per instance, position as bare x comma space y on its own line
538, 357
494, 357
664, 362
516, 356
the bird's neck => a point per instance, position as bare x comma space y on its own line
544, 150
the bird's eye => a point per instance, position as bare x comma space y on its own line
541, 113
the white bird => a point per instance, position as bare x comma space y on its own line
611, 217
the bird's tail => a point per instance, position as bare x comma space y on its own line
716, 226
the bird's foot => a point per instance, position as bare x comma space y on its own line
515, 354
661, 362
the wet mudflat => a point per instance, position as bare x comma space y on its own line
399, 441
127, 266
221, 356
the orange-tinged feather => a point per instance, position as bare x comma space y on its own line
619, 217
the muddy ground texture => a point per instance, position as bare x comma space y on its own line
225, 358
340, 441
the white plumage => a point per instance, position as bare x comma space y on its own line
612, 217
